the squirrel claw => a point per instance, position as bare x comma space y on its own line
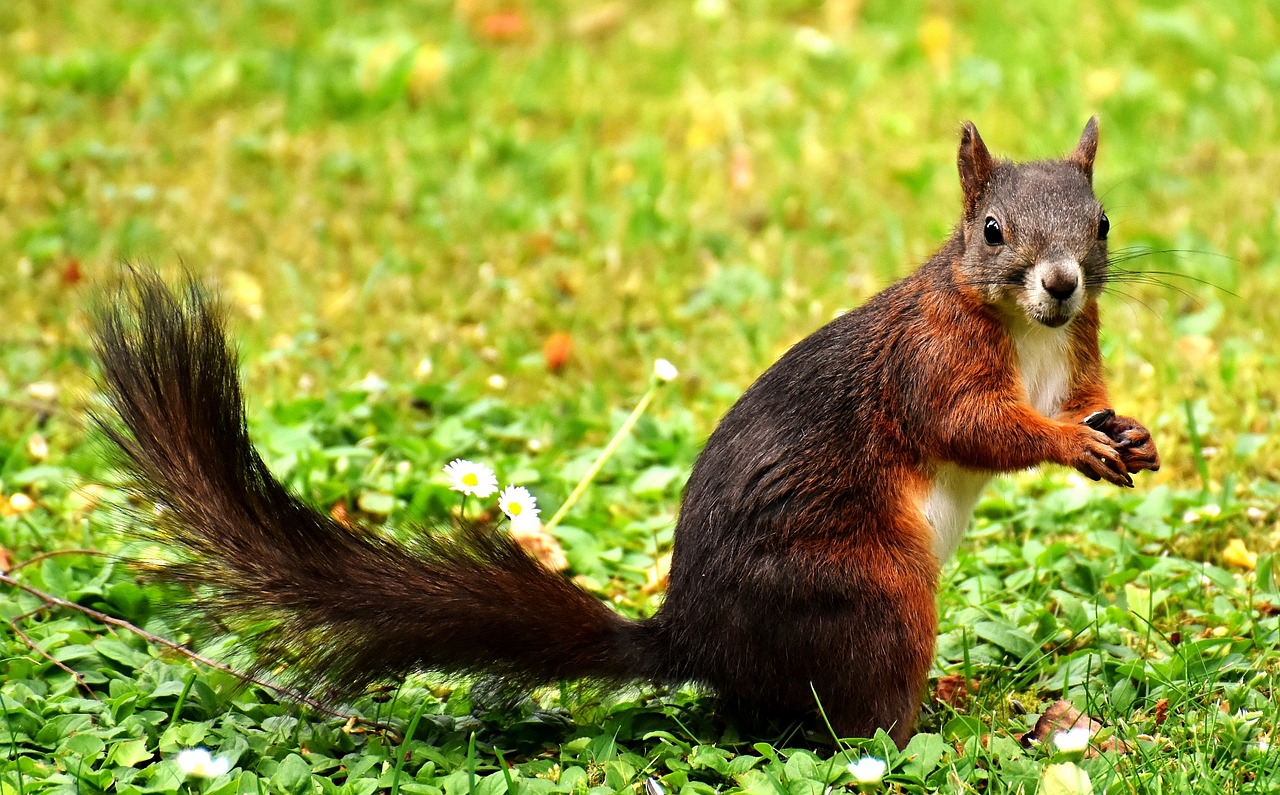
1130, 440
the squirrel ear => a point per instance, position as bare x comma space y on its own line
1087, 148
975, 164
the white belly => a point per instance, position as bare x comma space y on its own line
1046, 372
949, 505
1046, 377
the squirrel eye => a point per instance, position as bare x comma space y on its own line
991, 232
1104, 226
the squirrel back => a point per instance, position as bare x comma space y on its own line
811, 530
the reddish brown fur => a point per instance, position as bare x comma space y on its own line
804, 563
817, 477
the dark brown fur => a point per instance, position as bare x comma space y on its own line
803, 562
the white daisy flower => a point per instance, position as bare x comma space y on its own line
868, 770
1072, 741
468, 477
199, 763
520, 506
372, 383
43, 390
665, 371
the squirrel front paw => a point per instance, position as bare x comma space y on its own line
1132, 441
1096, 456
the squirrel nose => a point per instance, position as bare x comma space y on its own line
1060, 284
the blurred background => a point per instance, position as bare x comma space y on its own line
468, 229
530, 201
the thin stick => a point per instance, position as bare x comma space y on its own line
54, 601
30, 613
55, 553
42, 408
605, 455
35, 647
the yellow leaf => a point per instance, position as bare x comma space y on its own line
426, 72
935, 40
1102, 83
245, 291
1237, 554
658, 575
702, 134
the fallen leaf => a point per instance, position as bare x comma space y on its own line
541, 243
565, 285
598, 22
340, 515
543, 546
954, 690
503, 26
1062, 716
740, 173
557, 350
71, 274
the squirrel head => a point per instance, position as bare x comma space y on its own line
1035, 236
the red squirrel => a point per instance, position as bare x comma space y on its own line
811, 530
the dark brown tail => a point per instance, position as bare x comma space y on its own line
332, 607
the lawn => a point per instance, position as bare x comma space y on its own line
413, 209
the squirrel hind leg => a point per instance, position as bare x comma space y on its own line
848, 643
876, 674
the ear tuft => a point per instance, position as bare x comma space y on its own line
975, 164
1087, 149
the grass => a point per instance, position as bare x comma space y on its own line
426, 194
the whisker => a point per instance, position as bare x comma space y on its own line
1116, 258
1132, 299
1183, 292
1151, 277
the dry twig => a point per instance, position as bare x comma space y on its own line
35, 647
53, 601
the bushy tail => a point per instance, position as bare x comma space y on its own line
331, 607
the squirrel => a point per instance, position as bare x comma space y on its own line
811, 530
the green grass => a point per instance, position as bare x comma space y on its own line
374, 185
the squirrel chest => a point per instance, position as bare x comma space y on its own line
1045, 369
